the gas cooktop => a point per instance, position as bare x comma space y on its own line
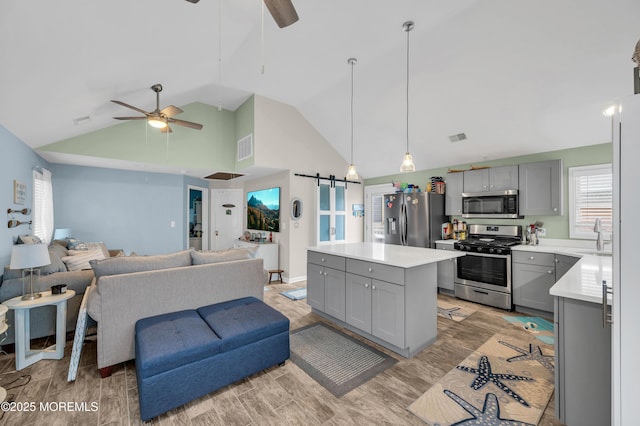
492, 239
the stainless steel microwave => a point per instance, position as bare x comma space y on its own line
491, 204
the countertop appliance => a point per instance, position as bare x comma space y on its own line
484, 274
490, 204
413, 219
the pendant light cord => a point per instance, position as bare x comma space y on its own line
352, 61
408, 28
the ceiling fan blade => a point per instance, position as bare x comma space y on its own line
171, 110
166, 129
130, 106
130, 118
184, 123
282, 11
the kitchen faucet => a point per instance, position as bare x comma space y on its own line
597, 228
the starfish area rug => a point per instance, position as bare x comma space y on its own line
505, 381
453, 312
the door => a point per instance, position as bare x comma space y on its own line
417, 217
228, 215
332, 209
197, 218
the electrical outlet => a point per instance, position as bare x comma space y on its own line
542, 232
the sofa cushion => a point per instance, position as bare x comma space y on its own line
125, 265
243, 321
168, 341
79, 259
56, 253
240, 253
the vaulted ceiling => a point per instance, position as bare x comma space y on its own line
516, 77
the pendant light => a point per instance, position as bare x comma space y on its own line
407, 163
351, 173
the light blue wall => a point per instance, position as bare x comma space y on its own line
17, 161
126, 209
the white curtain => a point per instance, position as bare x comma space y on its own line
42, 205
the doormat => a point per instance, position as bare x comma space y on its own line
505, 381
337, 361
538, 327
454, 312
295, 294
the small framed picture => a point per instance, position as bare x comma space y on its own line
19, 192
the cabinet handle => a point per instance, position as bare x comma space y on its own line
370, 270
549, 272
555, 209
320, 272
556, 260
325, 274
366, 286
323, 259
492, 186
531, 258
373, 287
606, 316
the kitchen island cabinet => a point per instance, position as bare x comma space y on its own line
326, 284
390, 292
582, 363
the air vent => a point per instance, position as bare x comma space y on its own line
223, 176
458, 137
245, 147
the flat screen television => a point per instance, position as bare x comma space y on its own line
263, 210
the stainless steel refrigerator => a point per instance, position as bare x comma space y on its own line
413, 219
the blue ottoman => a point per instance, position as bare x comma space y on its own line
184, 355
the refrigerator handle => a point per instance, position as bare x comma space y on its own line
403, 224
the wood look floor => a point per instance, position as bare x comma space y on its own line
280, 395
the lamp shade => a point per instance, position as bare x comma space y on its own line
29, 256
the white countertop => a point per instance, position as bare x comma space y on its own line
388, 254
450, 241
584, 280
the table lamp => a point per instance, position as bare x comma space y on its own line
27, 257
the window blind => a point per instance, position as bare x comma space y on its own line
591, 197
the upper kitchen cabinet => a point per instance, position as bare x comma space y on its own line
492, 179
453, 194
541, 188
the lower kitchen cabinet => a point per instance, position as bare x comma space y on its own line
533, 274
582, 363
326, 290
564, 263
446, 269
376, 307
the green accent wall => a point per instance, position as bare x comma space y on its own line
212, 148
245, 126
556, 226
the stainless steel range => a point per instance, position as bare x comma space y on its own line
484, 274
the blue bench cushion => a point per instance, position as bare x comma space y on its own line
167, 341
243, 321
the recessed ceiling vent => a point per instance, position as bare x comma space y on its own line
223, 176
245, 147
458, 137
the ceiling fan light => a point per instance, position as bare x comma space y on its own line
407, 163
157, 122
351, 173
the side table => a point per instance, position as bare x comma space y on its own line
25, 356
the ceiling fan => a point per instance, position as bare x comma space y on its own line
282, 11
159, 118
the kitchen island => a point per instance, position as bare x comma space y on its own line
384, 292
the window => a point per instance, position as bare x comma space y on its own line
590, 197
374, 208
42, 205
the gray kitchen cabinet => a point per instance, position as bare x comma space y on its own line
582, 363
376, 307
453, 194
446, 269
533, 274
564, 263
491, 179
541, 188
326, 285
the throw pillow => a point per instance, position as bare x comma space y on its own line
128, 264
204, 257
79, 259
56, 253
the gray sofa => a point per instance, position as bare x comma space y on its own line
126, 289
43, 319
